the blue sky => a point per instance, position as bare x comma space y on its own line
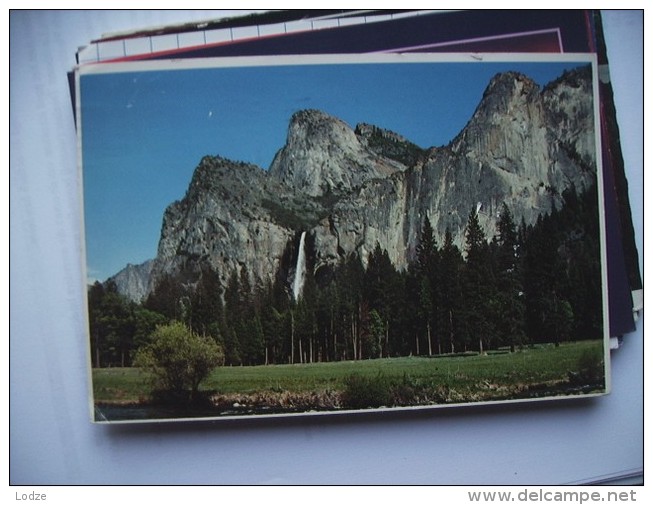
143, 133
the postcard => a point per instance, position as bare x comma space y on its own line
318, 235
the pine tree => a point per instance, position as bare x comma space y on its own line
450, 295
112, 326
327, 306
426, 250
272, 324
413, 326
382, 287
306, 322
509, 319
232, 320
248, 325
550, 316
478, 288
167, 298
350, 282
206, 308
427, 270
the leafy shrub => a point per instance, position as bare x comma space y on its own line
178, 360
589, 370
366, 392
405, 392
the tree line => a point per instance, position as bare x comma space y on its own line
528, 284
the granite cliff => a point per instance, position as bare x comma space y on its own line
349, 188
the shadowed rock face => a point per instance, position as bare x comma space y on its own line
351, 188
324, 155
133, 280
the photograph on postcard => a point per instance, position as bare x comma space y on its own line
301, 235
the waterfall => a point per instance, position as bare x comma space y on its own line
300, 269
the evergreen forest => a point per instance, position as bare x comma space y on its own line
529, 284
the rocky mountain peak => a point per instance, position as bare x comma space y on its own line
311, 131
369, 132
215, 173
133, 280
511, 83
509, 95
323, 155
315, 122
389, 144
580, 77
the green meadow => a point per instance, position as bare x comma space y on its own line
542, 370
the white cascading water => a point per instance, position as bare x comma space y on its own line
300, 270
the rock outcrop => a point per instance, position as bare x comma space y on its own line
323, 155
133, 280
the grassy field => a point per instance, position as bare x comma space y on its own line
456, 378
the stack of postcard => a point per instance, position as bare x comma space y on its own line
320, 212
